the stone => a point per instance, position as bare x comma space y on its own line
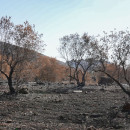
126, 107
91, 128
9, 121
96, 115
77, 91
23, 91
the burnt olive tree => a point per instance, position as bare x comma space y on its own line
18, 45
114, 49
76, 51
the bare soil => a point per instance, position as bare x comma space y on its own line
52, 106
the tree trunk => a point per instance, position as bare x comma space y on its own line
80, 84
70, 77
12, 90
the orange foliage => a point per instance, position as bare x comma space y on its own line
48, 69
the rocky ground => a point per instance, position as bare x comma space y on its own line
57, 106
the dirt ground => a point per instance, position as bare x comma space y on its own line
56, 107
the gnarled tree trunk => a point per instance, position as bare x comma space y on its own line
11, 88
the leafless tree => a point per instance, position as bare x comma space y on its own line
18, 45
76, 51
114, 49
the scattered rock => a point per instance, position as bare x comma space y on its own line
40, 83
126, 107
62, 118
77, 91
102, 89
91, 128
9, 121
96, 115
23, 91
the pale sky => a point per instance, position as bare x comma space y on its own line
56, 18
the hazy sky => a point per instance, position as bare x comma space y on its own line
56, 18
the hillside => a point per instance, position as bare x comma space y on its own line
45, 68
42, 68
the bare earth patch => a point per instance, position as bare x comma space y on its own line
56, 107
